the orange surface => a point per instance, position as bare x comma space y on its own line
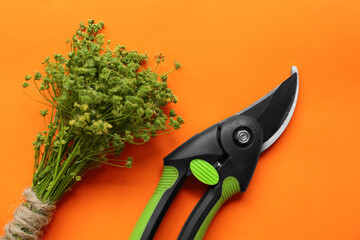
233, 52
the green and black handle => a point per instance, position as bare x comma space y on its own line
215, 158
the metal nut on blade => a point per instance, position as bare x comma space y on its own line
243, 136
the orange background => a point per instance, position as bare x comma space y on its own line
233, 52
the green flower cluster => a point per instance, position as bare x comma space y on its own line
100, 100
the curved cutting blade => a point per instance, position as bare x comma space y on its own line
275, 109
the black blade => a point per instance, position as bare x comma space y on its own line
275, 110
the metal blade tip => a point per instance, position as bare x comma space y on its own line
274, 137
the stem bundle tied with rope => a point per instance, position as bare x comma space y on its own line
98, 101
29, 218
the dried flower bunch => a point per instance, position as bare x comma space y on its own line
98, 101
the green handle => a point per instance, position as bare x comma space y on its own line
204, 212
155, 209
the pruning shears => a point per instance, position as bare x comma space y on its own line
224, 156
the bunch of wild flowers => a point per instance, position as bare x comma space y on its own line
99, 101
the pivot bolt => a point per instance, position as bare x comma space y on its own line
243, 136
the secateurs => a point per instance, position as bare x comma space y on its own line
224, 156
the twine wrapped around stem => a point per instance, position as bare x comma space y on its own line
29, 218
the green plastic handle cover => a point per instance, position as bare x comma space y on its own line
230, 187
167, 180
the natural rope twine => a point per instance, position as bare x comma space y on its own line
31, 216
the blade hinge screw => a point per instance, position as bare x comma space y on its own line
243, 136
